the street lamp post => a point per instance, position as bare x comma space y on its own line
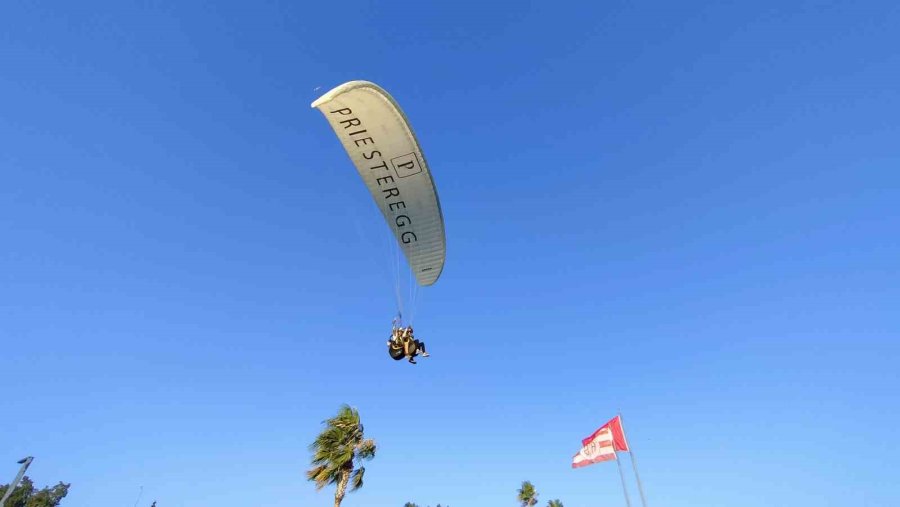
24, 462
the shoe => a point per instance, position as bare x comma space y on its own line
411, 360
425, 354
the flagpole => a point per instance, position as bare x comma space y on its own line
638, 477
634, 467
622, 476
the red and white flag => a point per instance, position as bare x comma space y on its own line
602, 444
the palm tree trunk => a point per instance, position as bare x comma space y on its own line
341, 488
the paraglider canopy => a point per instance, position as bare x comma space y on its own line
377, 136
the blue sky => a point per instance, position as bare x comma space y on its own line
686, 213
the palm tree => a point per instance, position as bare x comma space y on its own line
527, 494
338, 453
554, 503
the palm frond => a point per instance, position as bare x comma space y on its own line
356, 479
366, 449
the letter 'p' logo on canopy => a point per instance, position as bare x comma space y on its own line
406, 165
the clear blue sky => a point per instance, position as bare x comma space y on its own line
684, 212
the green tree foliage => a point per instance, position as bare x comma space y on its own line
26, 496
527, 496
338, 453
554, 503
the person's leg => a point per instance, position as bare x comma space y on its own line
409, 348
